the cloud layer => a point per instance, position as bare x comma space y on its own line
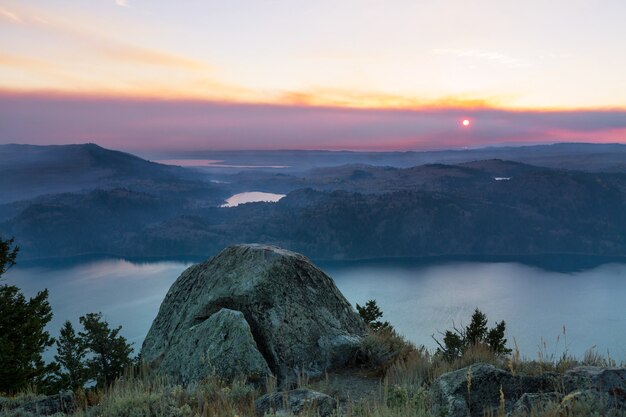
142, 125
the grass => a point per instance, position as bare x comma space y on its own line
400, 372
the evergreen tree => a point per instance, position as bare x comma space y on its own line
8, 253
454, 345
22, 331
23, 339
495, 339
71, 351
457, 341
371, 314
476, 331
111, 352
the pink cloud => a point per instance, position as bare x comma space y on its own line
144, 125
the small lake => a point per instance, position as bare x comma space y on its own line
419, 299
251, 197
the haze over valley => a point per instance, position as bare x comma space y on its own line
105, 202
337, 208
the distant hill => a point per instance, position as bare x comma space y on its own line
371, 179
347, 212
27, 171
590, 157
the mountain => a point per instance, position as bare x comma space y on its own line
27, 171
589, 157
480, 208
370, 179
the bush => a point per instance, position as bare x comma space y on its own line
381, 349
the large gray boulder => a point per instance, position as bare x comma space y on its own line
480, 388
223, 344
298, 320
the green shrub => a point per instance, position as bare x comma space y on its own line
381, 349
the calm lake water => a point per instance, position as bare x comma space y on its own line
251, 197
419, 299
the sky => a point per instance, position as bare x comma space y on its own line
328, 74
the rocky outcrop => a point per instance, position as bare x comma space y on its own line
295, 402
482, 388
61, 403
609, 380
252, 310
604, 388
537, 403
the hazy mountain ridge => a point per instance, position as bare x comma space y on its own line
539, 212
590, 157
346, 212
27, 171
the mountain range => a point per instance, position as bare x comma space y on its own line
106, 202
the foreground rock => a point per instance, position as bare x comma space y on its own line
295, 402
608, 380
483, 388
286, 316
61, 403
603, 388
226, 346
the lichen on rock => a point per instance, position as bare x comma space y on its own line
298, 321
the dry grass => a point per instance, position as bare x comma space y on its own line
404, 370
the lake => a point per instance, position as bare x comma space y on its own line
251, 197
418, 298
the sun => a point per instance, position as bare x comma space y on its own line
465, 122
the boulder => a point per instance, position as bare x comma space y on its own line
480, 388
299, 321
588, 402
222, 344
537, 403
597, 382
295, 402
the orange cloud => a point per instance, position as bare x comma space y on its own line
374, 100
7, 14
147, 56
19, 61
104, 45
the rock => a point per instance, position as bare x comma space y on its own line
61, 403
598, 378
222, 344
475, 390
295, 402
537, 402
298, 319
608, 383
590, 402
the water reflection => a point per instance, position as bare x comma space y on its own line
536, 304
126, 293
418, 298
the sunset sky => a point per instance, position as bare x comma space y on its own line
329, 74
